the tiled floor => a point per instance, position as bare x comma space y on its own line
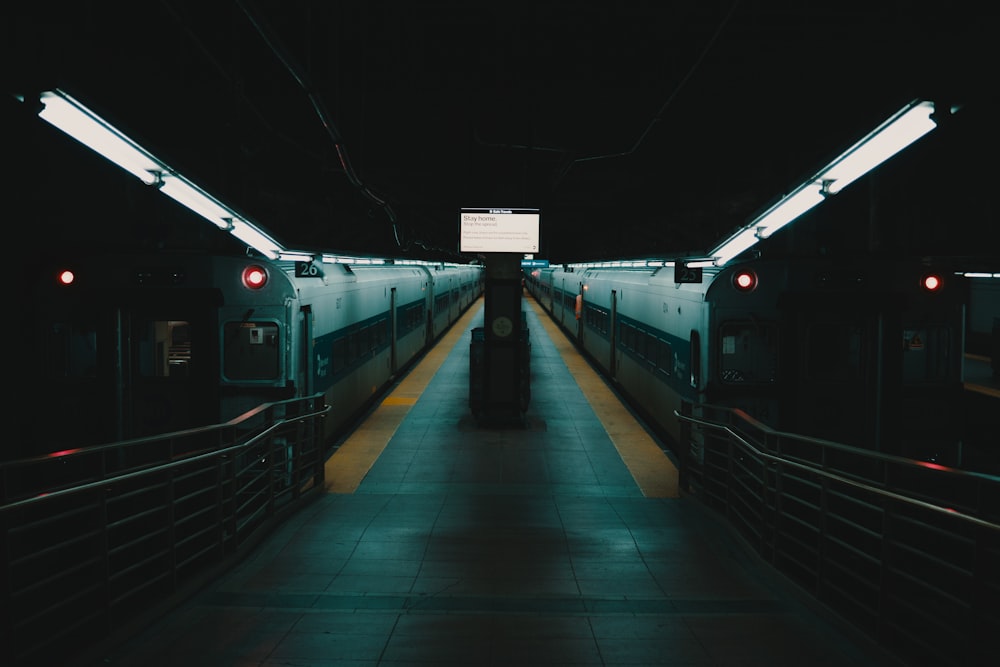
469, 546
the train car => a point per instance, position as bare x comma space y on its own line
454, 290
135, 345
983, 328
557, 290
866, 353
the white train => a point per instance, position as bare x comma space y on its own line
137, 345
866, 353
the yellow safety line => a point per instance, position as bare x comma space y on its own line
982, 389
354, 458
651, 468
975, 386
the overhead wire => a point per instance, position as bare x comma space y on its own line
286, 59
663, 108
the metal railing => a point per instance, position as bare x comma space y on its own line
94, 540
908, 551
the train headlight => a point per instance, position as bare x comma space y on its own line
931, 282
745, 281
254, 276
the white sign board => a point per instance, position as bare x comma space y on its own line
499, 230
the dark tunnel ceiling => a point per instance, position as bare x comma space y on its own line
637, 128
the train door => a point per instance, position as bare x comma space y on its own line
306, 370
169, 370
561, 291
613, 337
76, 386
393, 354
839, 369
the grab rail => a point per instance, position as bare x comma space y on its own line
950, 512
906, 550
95, 540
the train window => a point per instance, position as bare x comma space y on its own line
626, 336
163, 348
407, 319
596, 319
251, 351
748, 353
72, 350
353, 351
641, 340
366, 340
381, 330
339, 354
664, 357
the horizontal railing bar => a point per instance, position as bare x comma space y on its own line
160, 467
983, 523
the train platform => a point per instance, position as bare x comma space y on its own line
438, 542
980, 377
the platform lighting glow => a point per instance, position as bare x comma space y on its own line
255, 238
743, 240
906, 126
79, 122
195, 199
357, 261
296, 256
91, 130
899, 131
700, 264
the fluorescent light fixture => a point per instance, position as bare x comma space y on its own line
76, 120
788, 209
255, 238
737, 243
901, 129
356, 261
91, 130
895, 134
194, 198
296, 256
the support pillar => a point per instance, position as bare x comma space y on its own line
500, 369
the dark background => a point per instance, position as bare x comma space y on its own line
638, 129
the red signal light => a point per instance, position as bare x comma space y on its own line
66, 277
254, 276
745, 281
931, 282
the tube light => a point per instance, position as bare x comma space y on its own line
892, 136
901, 129
91, 130
255, 238
296, 256
76, 120
788, 209
739, 242
194, 198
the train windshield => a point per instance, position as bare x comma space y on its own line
749, 352
251, 351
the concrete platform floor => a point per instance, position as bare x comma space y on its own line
443, 543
